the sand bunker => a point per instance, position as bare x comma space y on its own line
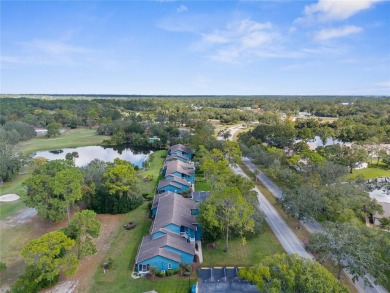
9, 197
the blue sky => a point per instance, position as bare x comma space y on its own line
196, 47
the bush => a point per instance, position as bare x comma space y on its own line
161, 274
170, 273
27, 281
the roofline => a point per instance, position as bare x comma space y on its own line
139, 247
162, 256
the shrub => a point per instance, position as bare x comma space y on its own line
161, 274
27, 281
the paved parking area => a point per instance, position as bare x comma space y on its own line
223, 280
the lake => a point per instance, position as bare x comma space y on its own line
107, 154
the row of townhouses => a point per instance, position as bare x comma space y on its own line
175, 235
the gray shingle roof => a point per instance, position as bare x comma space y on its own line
179, 166
175, 157
174, 210
180, 147
157, 197
174, 182
152, 247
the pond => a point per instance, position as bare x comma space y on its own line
317, 142
107, 154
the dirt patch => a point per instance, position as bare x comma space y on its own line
83, 278
23, 216
9, 197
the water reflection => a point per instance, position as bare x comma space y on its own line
107, 154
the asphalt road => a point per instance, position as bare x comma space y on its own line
312, 226
287, 238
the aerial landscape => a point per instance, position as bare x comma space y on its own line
195, 146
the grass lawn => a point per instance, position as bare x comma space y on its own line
15, 186
123, 250
202, 186
373, 171
255, 250
72, 138
154, 170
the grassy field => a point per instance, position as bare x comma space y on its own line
72, 138
373, 171
149, 187
123, 250
253, 252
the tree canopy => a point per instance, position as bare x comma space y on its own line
291, 273
50, 255
352, 248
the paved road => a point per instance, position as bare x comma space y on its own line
287, 238
312, 226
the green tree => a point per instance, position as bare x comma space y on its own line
302, 202
82, 228
67, 186
291, 273
12, 160
120, 178
385, 223
47, 189
352, 248
50, 255
227, 209
232, 152
53, 129
215, 166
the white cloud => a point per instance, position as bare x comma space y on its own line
329, 10
181, 8
239, 41
332, 33
57, 47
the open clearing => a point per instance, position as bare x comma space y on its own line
72, 138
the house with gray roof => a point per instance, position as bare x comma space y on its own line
175, 157
179, 169
174, 184
180, 149
172, 236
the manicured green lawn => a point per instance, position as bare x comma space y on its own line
154, 170
123, 251
202, 186
253, 252
15, 186
371, 172
72, 138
